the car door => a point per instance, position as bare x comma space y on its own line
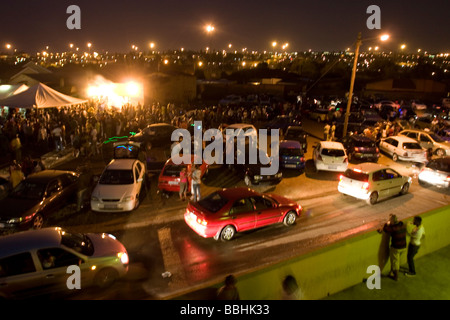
52, 194
395, 181
18, 276
425, 141
381, 184
266, 212
385, 145
53, 264
243, 214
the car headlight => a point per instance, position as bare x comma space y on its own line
128, 198
14, 220
257, 177
278, 175
94, 198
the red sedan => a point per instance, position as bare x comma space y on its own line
223, 213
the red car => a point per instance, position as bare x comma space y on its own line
223, 213
169, 178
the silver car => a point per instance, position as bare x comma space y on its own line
429, 140
371, 182
436, 173
403, 148
40, 262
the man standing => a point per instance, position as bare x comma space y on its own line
326, 132
416, 231
397, 230
196, 181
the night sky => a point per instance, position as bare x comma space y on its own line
320, 25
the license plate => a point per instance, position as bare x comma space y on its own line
110, 206
173, 183
290, 166
332, 167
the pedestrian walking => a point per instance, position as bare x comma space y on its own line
196, 181
397, 231
416, 231
228, 291
332, 131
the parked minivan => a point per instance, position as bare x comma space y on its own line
35, 262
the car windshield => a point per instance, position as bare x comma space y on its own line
214, 202
78, 242
333, 152
172, 170
411, 145
117, 177
29, 190
290, 152
356, 175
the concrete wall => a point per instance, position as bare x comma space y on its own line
341, 265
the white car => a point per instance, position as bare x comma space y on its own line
371, 182
429, 140
119, 186
403, 148
418, 105
330, 156
36, 262
436, 173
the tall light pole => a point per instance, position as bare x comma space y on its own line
352, 84
352, 81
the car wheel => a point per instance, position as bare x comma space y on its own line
373, 198
105, 277
38, 222
440, 152
289, 218
405, 189
247, 181
395, 157
227, 233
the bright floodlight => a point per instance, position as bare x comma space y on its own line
384, 37
209, 28
132, 89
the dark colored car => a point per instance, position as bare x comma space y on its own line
436, 173
36, 198
251, 172
297, 133
156, 140
223, 213
360, 148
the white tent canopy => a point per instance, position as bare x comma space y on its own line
40, 96
7, 90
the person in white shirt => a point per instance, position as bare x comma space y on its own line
417, 232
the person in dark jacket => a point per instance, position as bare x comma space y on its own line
397, 231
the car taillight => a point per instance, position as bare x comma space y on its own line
202, 222
378, 150
341, 177
302, 159
365, 186
345, 160
448, 178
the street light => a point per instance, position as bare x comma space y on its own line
352, 81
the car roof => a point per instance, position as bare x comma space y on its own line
290, 144
46, 175
121, 164
237, 193
295, 128
360, 137
402, 138
368, 167
29, 240
332, 144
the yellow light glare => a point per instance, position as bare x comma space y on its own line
132, 89
384, 37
